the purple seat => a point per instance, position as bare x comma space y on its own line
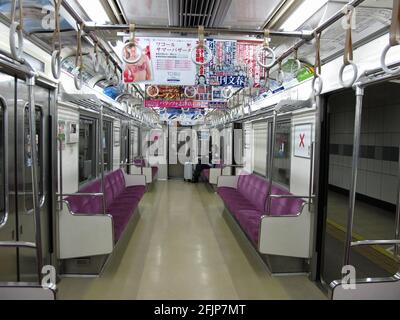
121, 201
284, 206
206, 174
248, 203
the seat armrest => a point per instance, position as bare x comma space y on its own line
132, 180
215, 173
228, 181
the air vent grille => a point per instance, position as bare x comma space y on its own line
193, 13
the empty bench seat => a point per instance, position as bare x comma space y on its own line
85, 221
247, 198
141, 167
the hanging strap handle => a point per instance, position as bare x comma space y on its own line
21, 13
316, 91
395, 27
132, 32
394, 39
317, 65
16, 28
348, 48
201, 35
78, 58
348, 56
57, 30
56, 42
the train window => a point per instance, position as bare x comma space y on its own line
282, 154
2, 166
28, 156
107, 150
87, 149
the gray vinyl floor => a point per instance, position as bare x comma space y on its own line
183, 248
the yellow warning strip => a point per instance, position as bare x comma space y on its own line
358, 237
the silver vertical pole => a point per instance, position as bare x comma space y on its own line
35, 186
353, 187
101, 135
270, 160
60, 174
397, 223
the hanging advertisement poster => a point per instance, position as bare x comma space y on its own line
172, 61
234, 64
142, 70
246, 52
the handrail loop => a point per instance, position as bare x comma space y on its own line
316, 91
208, 55
190, 92
348, 52
394, 37
96, 58
152, 94
108, 71
296, 61
78, 79
16, 28
131, 44
280, 76
268, 49
227, 92
56, 55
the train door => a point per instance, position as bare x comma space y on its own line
21, 264
377, 189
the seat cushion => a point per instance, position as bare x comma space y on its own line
87, 204
284, 206
117, 181
251, 225
254, 189
206, 174
234, 201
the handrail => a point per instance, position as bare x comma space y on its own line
18, 244
374, 242
35, 185
92, 194
5, 163
289, 196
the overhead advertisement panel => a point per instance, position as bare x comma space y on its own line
164, 61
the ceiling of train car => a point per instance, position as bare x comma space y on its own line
192, 13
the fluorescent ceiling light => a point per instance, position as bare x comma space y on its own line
304, 12
95, 10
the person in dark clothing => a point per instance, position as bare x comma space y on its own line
197, 172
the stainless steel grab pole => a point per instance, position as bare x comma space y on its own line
101, 137
215, 31
354, 174
270, 161
60, 173
397, 222
35, 186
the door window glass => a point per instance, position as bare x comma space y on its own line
282, 154
87, 149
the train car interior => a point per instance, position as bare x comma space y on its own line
199, 150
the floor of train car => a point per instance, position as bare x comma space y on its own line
183, 248
370, 222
